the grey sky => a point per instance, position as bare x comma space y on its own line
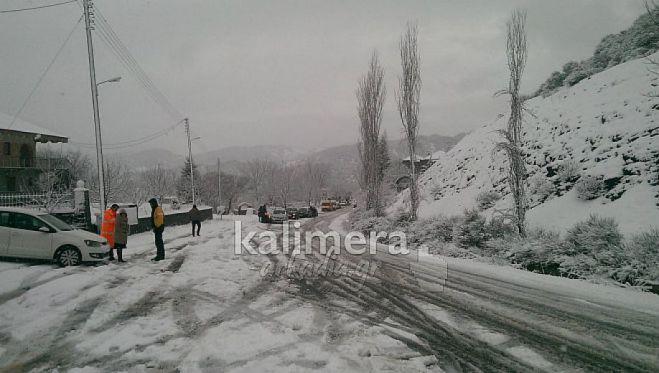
283, 72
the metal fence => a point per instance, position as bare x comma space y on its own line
49, 202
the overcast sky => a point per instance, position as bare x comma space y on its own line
282, 72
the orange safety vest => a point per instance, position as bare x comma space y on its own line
107, 227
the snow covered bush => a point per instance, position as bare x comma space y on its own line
569, 171
499, 227
535, 254
487, 200
400, 218
437, 191
434, 230
589, 187
641, 259
592, 247
639, 40
595, 235
472, 230
366, 221
540, 188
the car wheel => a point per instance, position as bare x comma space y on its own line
69, 256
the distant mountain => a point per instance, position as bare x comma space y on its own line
230, 154
151, 157
345, 158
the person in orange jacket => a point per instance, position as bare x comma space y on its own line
107, 227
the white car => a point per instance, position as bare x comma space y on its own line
279, 215
37, 235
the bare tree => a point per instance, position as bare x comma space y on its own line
371, 93
284, 176
652, 9
516, 50
158, 181
258, 171
118, 183
232, 187
407, 97
79, 165
315, 177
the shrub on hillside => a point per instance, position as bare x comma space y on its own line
536, 254
569, 171
589, 188
597, 237
641, 259
499, 227
366, 221
472, 230
487, 200
540, 188
639, 40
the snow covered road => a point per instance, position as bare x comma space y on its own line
203, 309
206, 309
497, 318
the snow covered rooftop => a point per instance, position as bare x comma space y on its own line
19, 125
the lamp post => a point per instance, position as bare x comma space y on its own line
99, 147
113, 80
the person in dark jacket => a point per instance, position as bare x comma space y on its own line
261, 213
195, 218
121, 233
158, 225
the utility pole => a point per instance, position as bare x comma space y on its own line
89, 13
219, 189
187, 131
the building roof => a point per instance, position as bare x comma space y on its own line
41, 134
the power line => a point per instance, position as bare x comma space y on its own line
119, 49
44, 73
37, 7
134, 142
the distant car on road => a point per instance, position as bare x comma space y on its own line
292, 213
37, 235
328, 205
304, 212
279, 215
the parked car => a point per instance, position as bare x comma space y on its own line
279, 215
37, 235
303, 212
292, 213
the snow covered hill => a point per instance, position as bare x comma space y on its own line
602, 131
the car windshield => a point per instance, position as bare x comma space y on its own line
55, 222
280, 212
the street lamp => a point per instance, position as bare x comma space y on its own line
99, 148
113, 80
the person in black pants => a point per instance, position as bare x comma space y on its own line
195, 218
158, 224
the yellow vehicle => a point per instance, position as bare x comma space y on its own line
327, 205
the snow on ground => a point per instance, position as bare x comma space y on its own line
202, 309
606, 125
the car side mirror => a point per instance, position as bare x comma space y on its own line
44, 230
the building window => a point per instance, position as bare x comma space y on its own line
6, 148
